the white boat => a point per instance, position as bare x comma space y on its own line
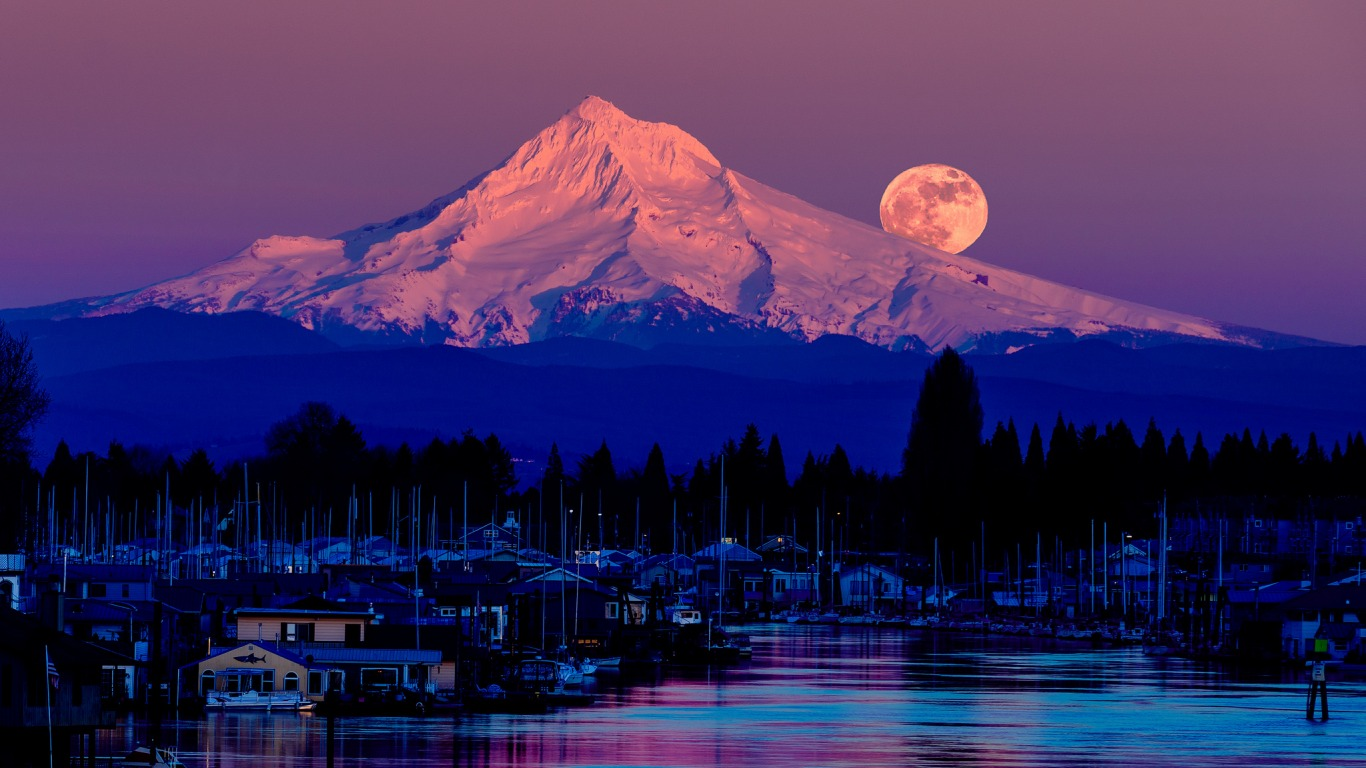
149, 757
685, 616
570, 676
611, 662
283, 701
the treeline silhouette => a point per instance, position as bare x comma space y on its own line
317, 469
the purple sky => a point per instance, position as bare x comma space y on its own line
1202, 157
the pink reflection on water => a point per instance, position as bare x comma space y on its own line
851, 697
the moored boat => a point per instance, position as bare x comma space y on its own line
153, 757
277, 701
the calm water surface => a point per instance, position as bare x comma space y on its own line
844, 696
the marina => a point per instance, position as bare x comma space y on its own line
840, 696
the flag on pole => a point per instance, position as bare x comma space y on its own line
53, 678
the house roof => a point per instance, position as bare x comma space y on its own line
871, 568
667, 561
368, 655
1329, 599
729, 550
27, 637
238, 649
781, 543
339, 612
115, 611
95, 572
1339, 630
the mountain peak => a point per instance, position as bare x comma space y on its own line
596, 109
597, 122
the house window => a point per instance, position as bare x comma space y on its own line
206, 681
612, 611
292, 632
291, 681
316, 681
99, 590
751, 585
780, 585
125, 590
378, 677
268, 681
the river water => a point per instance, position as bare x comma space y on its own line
844, 696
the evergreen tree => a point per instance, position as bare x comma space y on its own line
596, 482
198, 479
1178, 467
1316, 475
23, 401
1034, 458
656, 504
1283, 467
946, 432
776, 489
554, 470
1152, 471
1227, 464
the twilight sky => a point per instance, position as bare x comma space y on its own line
1202, 157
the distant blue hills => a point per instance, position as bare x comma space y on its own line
180, 381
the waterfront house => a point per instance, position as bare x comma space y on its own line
743, 578
870, 587
287, 626
97, 581
12, 571
671, 571
790, 589
46, 673
263, 667
1330, 613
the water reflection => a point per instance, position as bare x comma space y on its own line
830, 696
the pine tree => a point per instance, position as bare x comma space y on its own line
23, 402
1153, 462
1178, 467
656, 504
945, 437
776, 488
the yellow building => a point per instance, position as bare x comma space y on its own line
262, 667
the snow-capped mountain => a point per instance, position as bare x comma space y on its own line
606, 226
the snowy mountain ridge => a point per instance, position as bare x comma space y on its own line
610, 227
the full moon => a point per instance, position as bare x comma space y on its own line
937, 205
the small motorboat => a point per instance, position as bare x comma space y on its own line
278, 701
570, 676
153, 757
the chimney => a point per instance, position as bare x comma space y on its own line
52, 608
